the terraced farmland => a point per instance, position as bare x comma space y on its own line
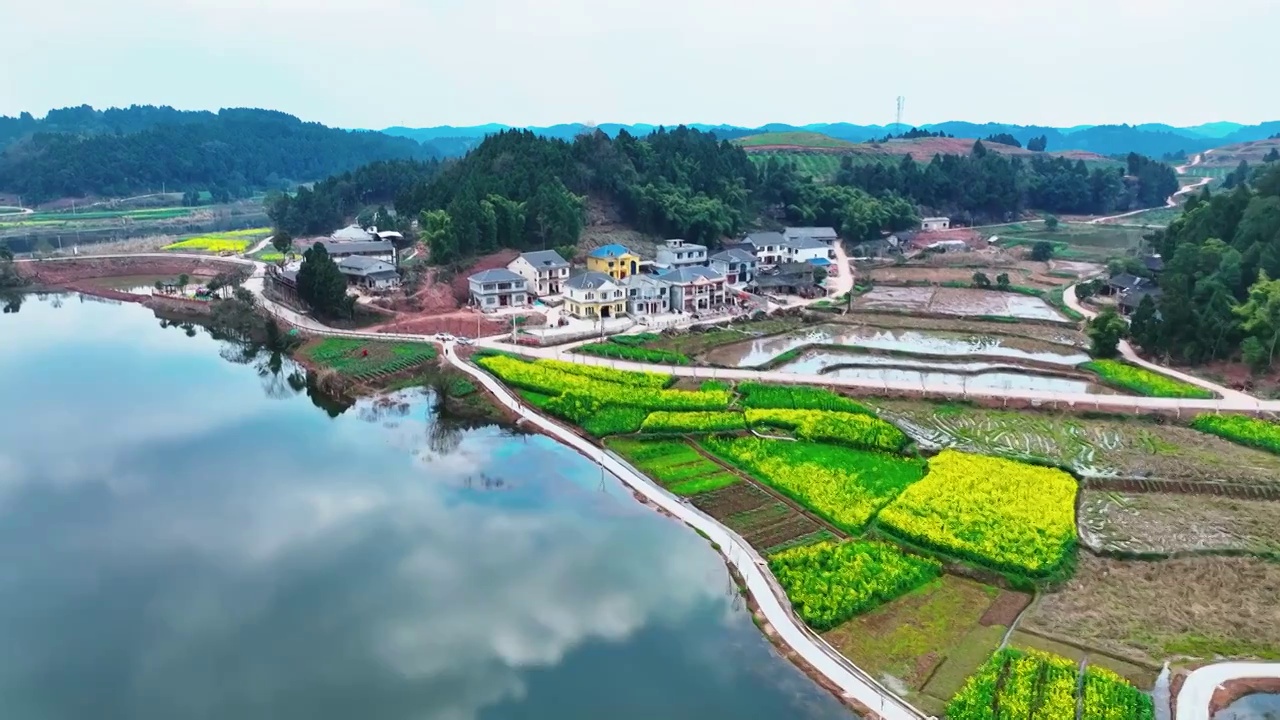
1163, 456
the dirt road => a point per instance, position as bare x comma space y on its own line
1172, 200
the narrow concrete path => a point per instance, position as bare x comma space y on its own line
1127, 351
853, 682
1197, 691
259, 247
842, 282
1172, 200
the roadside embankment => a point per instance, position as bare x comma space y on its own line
63, 273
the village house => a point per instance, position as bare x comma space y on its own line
825, 235
695, 289
647, 295
678, 253
352, 233
544, 270
736, 265
770, 248
1130, 301
338, 249
369, 273
807, 249
1124, 283
935, 224
616, 261
498, 288
878, 248
792, 278
591, 295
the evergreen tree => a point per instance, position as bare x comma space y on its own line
1105, 333
322, 286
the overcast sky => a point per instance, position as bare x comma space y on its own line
375, 63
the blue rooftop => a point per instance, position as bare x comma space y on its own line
608, 251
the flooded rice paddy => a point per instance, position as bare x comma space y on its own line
956, 301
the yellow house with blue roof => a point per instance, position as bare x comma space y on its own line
616, 261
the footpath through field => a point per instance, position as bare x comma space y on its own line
1126, 350
1172, 200
853, 682
1196, 695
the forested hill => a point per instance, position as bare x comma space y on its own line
521, 190
141, 149
1221, 278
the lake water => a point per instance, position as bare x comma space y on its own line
1259, 706
185, 534
753, 353
985, 380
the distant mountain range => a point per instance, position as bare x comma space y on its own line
1153, 139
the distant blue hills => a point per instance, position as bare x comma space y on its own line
1153, 139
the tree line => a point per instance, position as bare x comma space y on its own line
230, 154
984, 185
1221, 278
328, 204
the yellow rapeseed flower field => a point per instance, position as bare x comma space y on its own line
999, 513
236, 241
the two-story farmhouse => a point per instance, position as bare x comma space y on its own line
616, 261
694, 289
498, 288
647, 295
825, 235
369, 273
592, 295
678, 253
544, 270
770, 248
807, 249
935, 224
738, 266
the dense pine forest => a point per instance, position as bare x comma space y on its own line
1221, 278
80, 151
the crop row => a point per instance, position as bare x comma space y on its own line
1037, 685
756, 395
1143, 381
1245, 430
854, 430
230, 241
1002, 514
828, 583
676, 466
698, 422
635, 354
847, 487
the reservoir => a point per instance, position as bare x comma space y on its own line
186, 533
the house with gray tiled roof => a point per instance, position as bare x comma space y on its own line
498, 288
369, 273
544, 270
694, 289
737, 265
592, 295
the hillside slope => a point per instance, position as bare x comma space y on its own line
921, 149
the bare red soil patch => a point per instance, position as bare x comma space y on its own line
1005, 609
59, 273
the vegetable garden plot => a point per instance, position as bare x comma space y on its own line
364, 360
675, 465
829, 583
1144, 381
1040, 686
634, 353
1253, 432
1001, 514
854, 430
844, 486
756, 395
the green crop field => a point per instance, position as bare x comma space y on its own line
1076, 241
818, 165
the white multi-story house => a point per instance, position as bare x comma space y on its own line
593, 295
825, 235
498, 288
770, 248
678, 253
647, 295
807, 249
545, 271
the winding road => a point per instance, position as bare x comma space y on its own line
1172, 200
